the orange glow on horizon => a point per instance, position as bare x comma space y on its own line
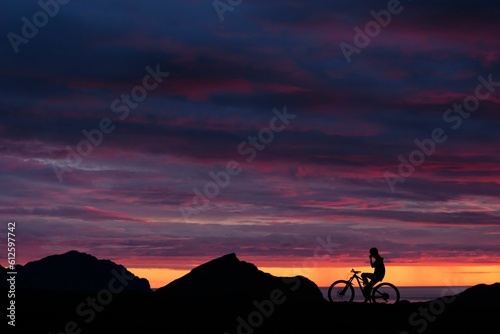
408, 275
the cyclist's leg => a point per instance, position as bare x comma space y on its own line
369, 287
368, 290
365, 276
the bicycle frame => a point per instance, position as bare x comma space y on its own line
361, 285
359, 279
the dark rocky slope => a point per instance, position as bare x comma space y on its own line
70, 293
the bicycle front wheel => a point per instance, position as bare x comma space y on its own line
341, 291
385, 293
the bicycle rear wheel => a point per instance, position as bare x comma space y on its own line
341, 291
385, 293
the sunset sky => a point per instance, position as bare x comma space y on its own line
163, 134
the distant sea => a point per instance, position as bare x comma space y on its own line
413, 293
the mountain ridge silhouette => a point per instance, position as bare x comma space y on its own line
74, 271
227, 275
224, 296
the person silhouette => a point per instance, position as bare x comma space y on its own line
378, 274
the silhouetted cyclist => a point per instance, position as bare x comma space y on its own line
377, 275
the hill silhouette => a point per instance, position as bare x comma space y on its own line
228, 276
480, 294
223, 296
231, 296
75, 271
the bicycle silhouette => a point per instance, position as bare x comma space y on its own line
343, 291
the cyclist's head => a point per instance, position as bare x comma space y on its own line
373, 251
